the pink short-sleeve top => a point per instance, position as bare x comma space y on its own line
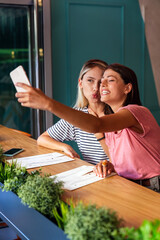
135, 155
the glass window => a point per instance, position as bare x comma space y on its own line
14, 51
25, 39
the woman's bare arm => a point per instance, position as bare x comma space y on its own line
105, 148
35, 98
46, 141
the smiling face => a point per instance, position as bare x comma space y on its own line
90, 84
113, 90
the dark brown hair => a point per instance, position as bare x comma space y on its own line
128, 76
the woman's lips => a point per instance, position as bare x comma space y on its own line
95, 95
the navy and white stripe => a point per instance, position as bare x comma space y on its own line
88, 145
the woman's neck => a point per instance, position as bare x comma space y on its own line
97, 108
116, 107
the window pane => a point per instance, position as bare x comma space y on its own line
14, 51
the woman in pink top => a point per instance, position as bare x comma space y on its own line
131, 132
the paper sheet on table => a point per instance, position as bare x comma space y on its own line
41, 160
78, 177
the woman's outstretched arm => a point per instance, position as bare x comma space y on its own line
35, 98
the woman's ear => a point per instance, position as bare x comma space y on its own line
80, 82
128, 88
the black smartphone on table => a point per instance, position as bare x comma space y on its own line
13, 151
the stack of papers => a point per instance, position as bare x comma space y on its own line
77, 177
41, 160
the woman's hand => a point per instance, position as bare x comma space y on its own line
70, 151
33, 97
103, 168
46, 141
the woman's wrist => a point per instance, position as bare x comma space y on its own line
100, 136
99, 139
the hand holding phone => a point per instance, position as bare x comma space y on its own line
19, 75
13, 151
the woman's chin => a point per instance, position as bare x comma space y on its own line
104, 99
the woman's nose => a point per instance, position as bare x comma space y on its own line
104, 83
96, 87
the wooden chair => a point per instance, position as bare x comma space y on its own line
24, 133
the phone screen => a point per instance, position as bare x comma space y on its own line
13, 151
19, 75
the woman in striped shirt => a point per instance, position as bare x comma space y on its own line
88, 100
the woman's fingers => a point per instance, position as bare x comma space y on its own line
23, 85
103, 168
100, 170
95, 170
70, 151
33, 98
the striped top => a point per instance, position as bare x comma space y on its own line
88, 145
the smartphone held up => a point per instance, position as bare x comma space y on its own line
19, 75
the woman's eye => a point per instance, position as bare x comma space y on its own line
90, 80
111, 80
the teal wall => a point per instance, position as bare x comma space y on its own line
111, 30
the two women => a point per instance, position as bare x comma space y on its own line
131, 132
88, 99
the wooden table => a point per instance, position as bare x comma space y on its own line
131, 201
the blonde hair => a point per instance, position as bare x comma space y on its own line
81, 100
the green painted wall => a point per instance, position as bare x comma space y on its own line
111, 30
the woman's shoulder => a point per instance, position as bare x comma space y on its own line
141, 113
136, 108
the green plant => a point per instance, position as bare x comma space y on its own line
13, 176
89, 222
149, 230
9, 171
41, 193
60, 213
17, 178
1, 154
6, 171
